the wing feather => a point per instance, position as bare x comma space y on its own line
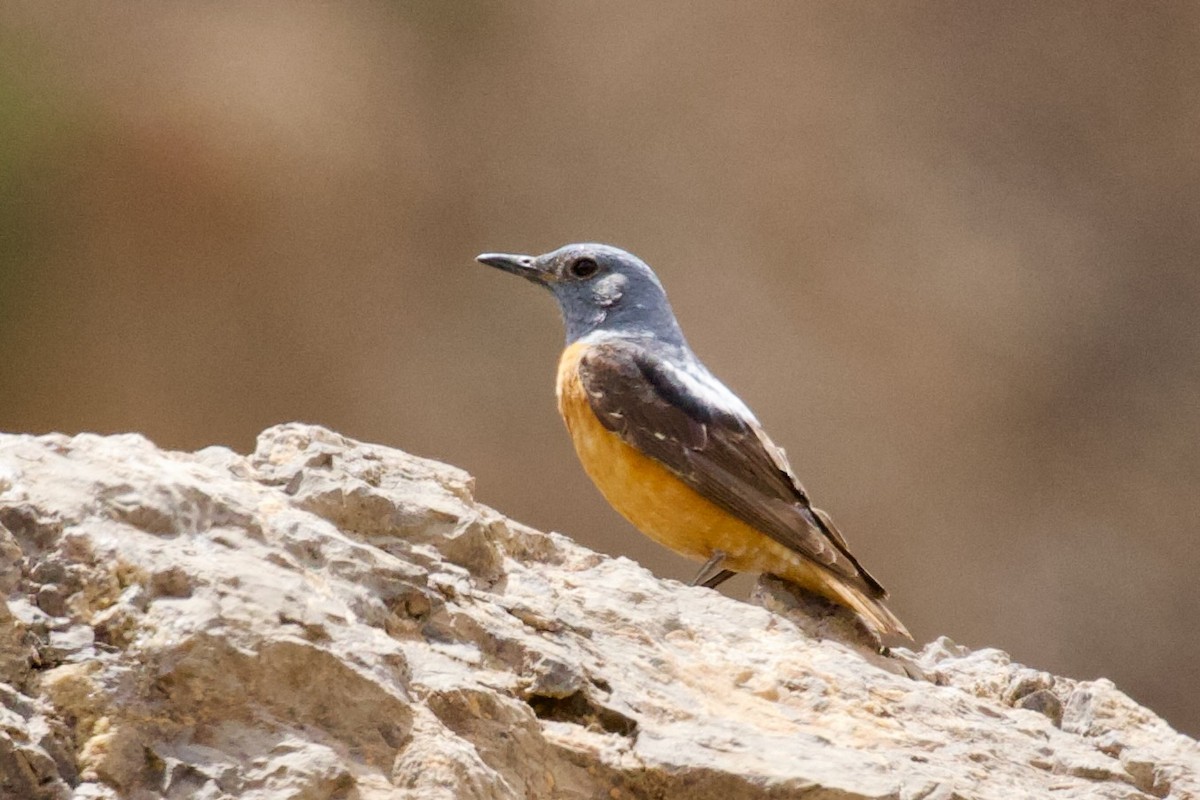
716, 448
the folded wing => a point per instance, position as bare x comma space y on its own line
689, 426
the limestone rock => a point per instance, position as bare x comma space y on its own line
329, 619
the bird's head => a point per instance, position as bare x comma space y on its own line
599, 289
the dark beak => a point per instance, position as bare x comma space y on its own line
517, 265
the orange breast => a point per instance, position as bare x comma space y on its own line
657, 502
670, 512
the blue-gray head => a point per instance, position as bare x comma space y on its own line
599, 289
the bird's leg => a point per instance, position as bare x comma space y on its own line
710, 568
711, 575
718, 579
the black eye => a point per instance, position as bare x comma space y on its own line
584, 268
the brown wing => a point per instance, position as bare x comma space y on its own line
713, 448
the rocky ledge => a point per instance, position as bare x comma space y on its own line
330, 619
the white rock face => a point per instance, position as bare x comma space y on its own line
329, 619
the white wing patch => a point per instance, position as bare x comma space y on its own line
702, 383
691, 373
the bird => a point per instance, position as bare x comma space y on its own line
674, 450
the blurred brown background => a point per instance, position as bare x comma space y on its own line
947, 251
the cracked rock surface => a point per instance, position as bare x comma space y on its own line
330, 619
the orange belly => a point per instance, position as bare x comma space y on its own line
662, 506
673, 514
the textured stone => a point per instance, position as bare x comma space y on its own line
330, 619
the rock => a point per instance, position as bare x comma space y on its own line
330, 619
